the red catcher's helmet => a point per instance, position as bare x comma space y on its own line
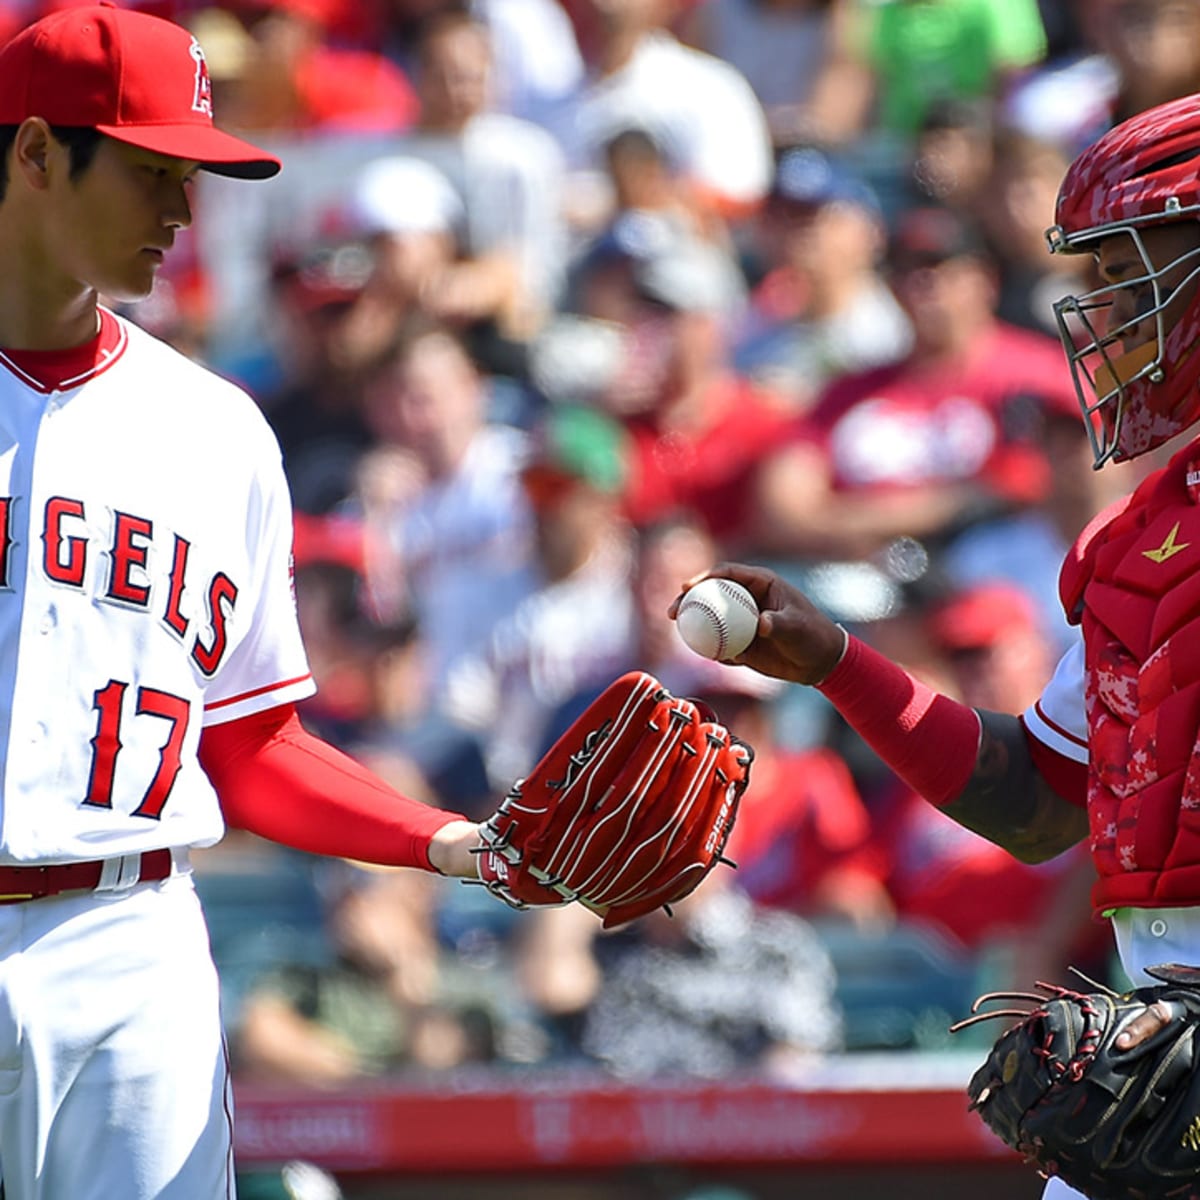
1143, 172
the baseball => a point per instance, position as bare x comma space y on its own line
717, 618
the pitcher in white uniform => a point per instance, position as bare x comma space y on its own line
149, 649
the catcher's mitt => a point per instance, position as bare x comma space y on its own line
628, 811
1114, 1124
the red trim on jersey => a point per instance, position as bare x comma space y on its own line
1066, 776
928, 740
1065, 734
270, 687
49, 371
277, 780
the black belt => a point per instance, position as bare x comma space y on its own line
18, 884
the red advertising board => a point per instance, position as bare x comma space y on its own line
524, 1122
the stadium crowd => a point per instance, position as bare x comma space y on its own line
555, 303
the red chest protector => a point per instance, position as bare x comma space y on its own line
1133, 581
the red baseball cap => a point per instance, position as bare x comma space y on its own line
982, 614
137, 78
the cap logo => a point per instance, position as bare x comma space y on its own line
202, 84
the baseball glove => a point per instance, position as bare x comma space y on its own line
1113, 1124
627, 812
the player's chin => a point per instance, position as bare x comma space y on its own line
135, 283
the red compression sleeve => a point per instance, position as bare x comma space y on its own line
277, 780
928, 740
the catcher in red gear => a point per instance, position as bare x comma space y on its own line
1109, 751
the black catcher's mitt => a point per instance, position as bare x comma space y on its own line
1114, 1124
627, 812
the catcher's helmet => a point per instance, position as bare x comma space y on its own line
1144, 172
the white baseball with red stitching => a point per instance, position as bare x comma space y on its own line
717, 618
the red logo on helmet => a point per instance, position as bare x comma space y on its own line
202, 87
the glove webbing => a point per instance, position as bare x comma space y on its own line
706, 776
573, 849
613, 741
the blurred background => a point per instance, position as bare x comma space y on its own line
555, 303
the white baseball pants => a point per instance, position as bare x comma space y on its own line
113, 1076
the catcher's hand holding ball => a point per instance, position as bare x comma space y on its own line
792, 639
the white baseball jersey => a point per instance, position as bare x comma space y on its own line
145, 590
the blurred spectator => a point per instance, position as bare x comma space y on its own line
335, 619
536, 60
278, 68
374, 1008
1016, 207
575, 626
647, 182
579, 356
441, 491
375, 698
1027, 547
1063, 34
671, 550
698, 429
402, 736
398, 27
537, 64
509, 175
288, 76
823, 308
509, 247
554, 963
990, 635
554, 949
788, 50
667, 552
314, 404
1135, 54
918, 52
952, 156
604, 278
921, 447
698, 107
409, 221
726, 987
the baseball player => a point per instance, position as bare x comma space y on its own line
1109, 751
149, 652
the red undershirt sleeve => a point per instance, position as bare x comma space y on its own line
275, 779
929, 740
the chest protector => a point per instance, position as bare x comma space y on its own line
1133, 582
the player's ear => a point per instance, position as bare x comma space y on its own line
32, 150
